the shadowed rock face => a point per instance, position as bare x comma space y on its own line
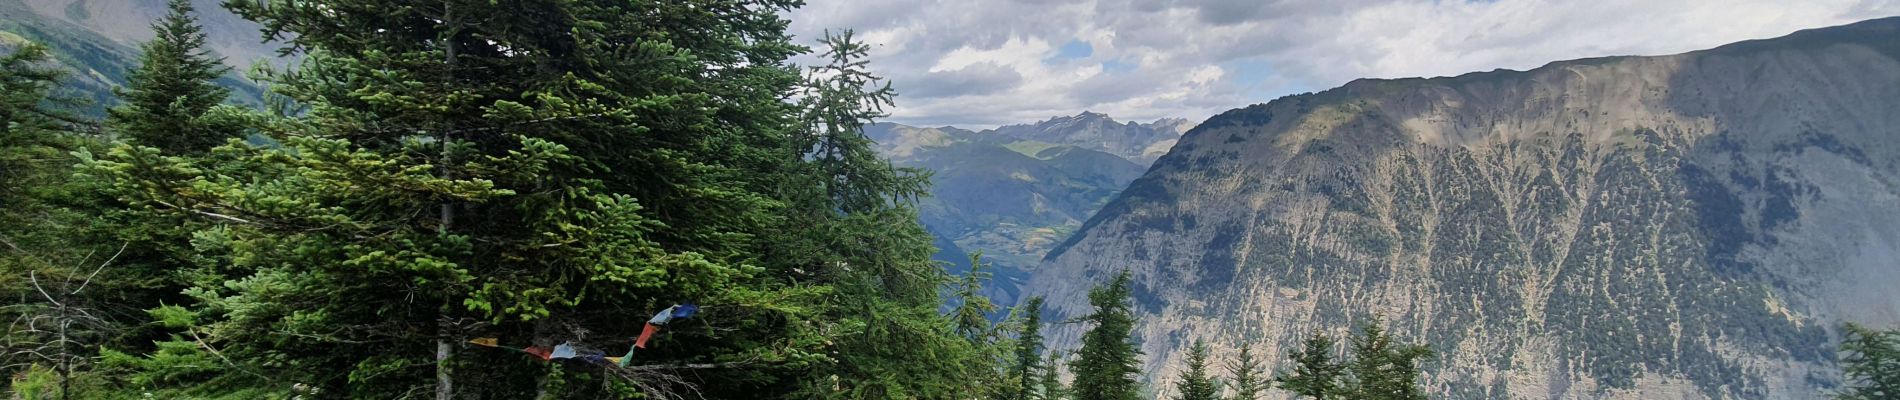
1686, 226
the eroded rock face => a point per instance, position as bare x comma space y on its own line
1685, 226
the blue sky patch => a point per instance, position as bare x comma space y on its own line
1075, 49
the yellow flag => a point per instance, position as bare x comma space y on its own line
487, 341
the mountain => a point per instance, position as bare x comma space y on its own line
1685, 226
128, 23
1138, 142
1012, 198
97, 41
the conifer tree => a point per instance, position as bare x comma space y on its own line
971, 314
1026, 367
555, 171
1051, 380
1871, 360
891, 340
27, 127
46, 273
1316, 373
1382, 369
167, 95
1194, 382
1106, 365
1245, 371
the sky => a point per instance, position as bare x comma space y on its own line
983, 63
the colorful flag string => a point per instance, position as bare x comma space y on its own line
567, 350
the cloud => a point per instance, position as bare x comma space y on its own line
975, 79
981, 63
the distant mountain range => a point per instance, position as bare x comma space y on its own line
98, 41
1691, 226
1016, 191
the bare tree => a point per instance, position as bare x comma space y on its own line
57, 324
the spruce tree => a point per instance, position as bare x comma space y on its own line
1026, 366
1194, 382
55, 323
1316, 372
556, 171
1382, 369
891, 340
1245, 371
167, 95
1106, 365
1050, 381
1870, 359
29, 128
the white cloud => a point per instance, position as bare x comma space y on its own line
1194, 58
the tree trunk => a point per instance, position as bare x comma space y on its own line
444, 344
444, 350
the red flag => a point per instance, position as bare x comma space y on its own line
538, 352
645, 334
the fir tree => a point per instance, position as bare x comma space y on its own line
1382, 369
167, 95
1050, 382
33, 266
1871, 360
971, 314
1194, 382
1316, 373
1026, 367
1245, 371
892, 343
29, 138
1106, 365
556, 171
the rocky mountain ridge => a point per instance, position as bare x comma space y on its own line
1135, 141
1685, 226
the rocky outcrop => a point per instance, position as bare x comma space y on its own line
1684, 226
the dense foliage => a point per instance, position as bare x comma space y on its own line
1379, 368
167, 95
1194, 382
1871, 360
435, 172
1245, 370
1026, 365
1105, 367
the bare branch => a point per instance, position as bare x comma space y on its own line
34, 277
102, 267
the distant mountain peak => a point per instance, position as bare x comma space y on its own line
1138, 142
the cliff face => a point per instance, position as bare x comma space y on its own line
1686, 226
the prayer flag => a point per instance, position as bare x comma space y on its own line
562, 351
537, 351
684, 310
646, 333
662, 317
